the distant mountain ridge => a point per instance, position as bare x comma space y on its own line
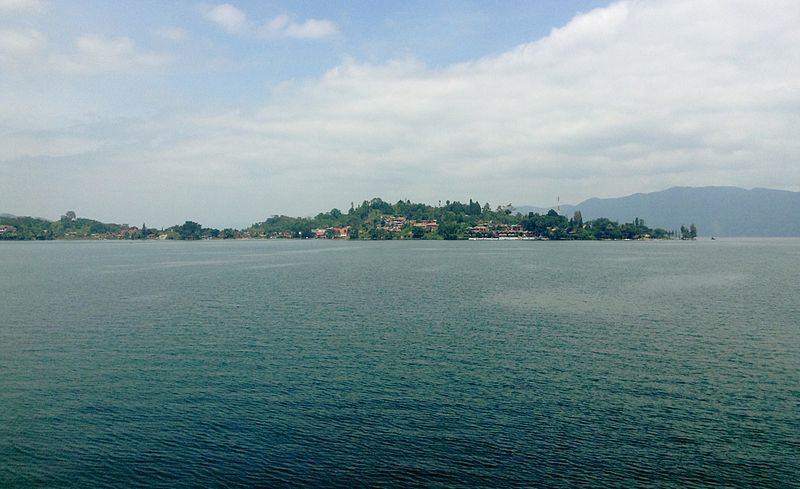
717, 211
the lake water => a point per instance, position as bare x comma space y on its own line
450, 364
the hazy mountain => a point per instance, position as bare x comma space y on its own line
9, 216
716, 211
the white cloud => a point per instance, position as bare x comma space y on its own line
97, 54
228, 17
281, 26
638, 96
19, 45
234, 21
27, 50
23, 7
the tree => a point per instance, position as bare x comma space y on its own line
578, 219
604, 228
190, 230
692, 231
448, 230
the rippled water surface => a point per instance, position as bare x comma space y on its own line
450, 364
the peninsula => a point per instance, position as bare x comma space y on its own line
374, 219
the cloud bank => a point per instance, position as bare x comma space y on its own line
638, 96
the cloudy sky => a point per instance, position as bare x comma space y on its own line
227, 113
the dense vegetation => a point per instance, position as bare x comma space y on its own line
374, 219
72, 227
454, 220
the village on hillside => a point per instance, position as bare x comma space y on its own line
372, 220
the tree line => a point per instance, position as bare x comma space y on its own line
406, 220
70, 226
455, 220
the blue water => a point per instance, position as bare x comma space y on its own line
435, 364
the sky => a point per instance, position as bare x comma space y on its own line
160, 112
